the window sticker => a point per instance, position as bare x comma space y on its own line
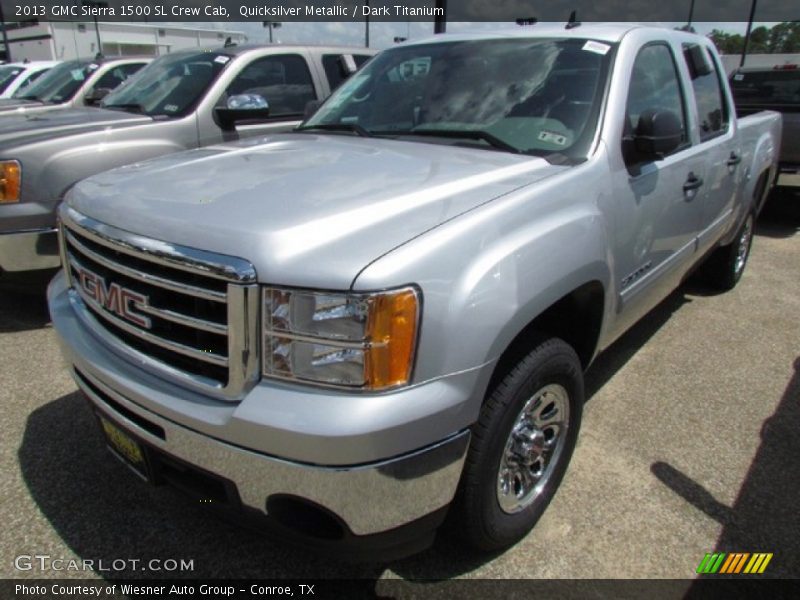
171, 108
738, 77
552, 138
222, 59
93, 66
77, 74
596, 47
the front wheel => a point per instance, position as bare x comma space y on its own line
521, 446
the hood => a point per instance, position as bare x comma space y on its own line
15, 103
306, 210
17, 129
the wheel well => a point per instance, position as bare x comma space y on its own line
576, 318
760, 191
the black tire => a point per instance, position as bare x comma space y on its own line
477, 515
726, 264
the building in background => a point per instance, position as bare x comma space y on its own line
64, 40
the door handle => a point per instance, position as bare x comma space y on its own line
692, 183
734, 159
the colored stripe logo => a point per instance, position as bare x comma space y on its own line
734, 563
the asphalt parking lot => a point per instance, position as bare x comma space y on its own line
689, 445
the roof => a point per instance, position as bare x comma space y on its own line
605, 32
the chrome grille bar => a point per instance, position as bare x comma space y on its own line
207, 315
181, 288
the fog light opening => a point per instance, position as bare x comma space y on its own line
305, 517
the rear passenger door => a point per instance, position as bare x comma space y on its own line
658, 212
717, 141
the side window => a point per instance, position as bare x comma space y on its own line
654, 85
335, 70
283, 80
711, 109
116, 76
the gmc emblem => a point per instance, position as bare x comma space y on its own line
114, 297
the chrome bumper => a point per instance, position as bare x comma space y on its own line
368, 497
29, 250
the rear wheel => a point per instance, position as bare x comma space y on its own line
521, 446
726, 265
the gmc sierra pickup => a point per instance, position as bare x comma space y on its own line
382, 319
181, 100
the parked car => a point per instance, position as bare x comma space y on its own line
17, 76
182, 100
71, 84
383, 318
776, 88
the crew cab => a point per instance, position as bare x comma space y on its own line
181, 100
382, 319
774, 88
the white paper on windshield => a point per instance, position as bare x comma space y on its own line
738, 77
221, 59
77, 74
596, 47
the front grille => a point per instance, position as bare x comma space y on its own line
189, 312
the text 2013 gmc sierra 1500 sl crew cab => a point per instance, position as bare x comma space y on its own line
180, 101
383, 318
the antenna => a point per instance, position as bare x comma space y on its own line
573, 22
228, 42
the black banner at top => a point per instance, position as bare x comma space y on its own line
677, 11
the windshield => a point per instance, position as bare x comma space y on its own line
767, 88
8, 75
534, 96
170, 85
60, 83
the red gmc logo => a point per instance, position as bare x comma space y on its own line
114, 297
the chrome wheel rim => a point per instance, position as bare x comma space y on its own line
533, 448
744, 246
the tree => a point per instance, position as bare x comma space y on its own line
783, 38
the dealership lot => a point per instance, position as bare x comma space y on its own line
689, 445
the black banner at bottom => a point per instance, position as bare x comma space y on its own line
485, 589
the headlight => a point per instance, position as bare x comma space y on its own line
10, 175
349, 340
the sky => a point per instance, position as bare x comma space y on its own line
382, 34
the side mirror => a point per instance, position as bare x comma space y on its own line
658, 133
94, 97
310, 108
241, 108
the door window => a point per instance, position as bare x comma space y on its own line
284, 81
712, 112
654, 86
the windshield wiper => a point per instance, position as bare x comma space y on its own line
130, 107
349, 127
467, 134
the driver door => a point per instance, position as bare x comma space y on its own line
658, 201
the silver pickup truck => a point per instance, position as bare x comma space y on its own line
383, 318
72, 84
181, 100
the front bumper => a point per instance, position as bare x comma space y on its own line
29, 250
366, 497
